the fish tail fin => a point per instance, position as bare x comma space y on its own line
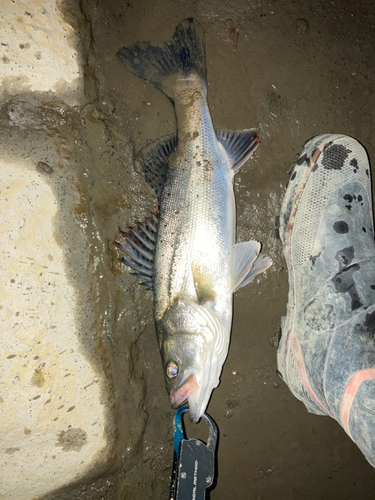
185, 54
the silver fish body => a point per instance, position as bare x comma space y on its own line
197, 217
196, 265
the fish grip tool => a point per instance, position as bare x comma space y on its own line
194, 461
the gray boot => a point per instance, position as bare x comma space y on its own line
326, 353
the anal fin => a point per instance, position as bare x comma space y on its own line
239, 145
139, 248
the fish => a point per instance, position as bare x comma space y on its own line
186, 252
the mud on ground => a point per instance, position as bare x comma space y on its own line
293, 69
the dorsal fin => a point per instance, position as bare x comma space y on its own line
155, 161
139, 248
239, 145
245, 264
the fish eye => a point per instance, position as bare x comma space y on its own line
171, 369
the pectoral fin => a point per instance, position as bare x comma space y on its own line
139, 248
239, 145
155, 161
246, 265
203, 283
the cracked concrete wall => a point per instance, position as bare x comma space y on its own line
58, 397
52, 422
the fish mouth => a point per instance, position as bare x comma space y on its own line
197, 404
183, 392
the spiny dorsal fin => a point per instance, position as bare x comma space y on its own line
245, 265
139, 248
155, 157
239, 145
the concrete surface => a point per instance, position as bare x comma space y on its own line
293, 69
37, 50
52, 422
53, 402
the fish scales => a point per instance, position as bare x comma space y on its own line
196, 220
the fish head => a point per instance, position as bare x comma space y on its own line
193, 347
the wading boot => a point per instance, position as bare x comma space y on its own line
326, 352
